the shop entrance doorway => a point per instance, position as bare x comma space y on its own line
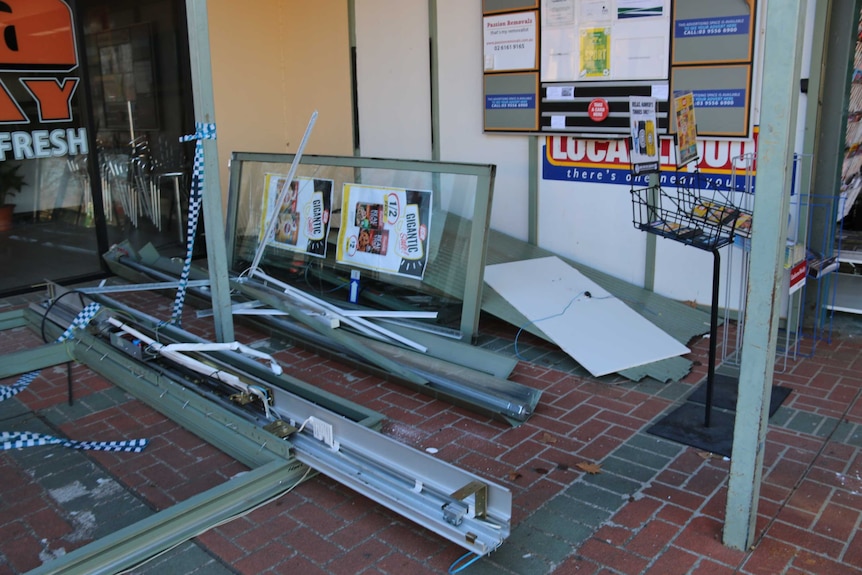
89, 134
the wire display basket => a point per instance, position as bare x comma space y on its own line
705, 220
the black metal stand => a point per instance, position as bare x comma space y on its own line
706, 223
713, 430
713, 337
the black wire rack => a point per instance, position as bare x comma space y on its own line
705, 219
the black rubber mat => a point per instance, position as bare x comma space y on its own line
725, 389
687, 423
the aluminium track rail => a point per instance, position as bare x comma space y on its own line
457, 505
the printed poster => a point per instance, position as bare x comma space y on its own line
385, 229
303, 221
511, 42
645, 150
639, 8
595, 51
558, 13
686, 129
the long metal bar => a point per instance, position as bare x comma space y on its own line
430, 500
132, 545
12, 319
273, 217
498, 398
289, 384
199, 52
456, 168
478, 391
474, 280
32, 359
141, 287
358, 323
405, 480
266, 295
239, 436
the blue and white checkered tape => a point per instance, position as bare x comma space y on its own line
22, 439
202, 132
81, 320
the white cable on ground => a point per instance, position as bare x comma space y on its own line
195, 365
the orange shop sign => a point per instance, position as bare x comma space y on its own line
37, 46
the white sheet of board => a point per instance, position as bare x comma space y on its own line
599, 331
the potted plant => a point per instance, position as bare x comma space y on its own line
11, 183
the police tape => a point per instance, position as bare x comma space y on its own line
23, 439
81, 320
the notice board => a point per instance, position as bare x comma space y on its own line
712, 57
569, 66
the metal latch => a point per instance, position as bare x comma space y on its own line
280, 428
242, 398
480, 501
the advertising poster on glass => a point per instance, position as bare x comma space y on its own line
644, 155
303, 220
385, 229
686, 129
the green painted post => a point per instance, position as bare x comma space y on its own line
533, 190
779, 101
199, 51
649, 264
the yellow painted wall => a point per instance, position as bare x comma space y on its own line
273, 63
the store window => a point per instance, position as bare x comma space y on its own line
138, 64
94, 96
46, 216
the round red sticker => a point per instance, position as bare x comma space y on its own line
598, 110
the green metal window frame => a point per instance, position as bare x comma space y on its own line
461, 211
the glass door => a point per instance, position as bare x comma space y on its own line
46, 202
139, 79
94, 96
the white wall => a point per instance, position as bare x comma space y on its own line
394, 78
459, 26
392, 40
592, 224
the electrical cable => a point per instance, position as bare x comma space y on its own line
456, 568
534, 321
54, 302
220, 523
304, 423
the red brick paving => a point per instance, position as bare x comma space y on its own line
810, 502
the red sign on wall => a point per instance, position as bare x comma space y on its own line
598, 110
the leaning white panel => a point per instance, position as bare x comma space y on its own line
598, 330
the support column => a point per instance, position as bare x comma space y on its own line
779, 102
202, 87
